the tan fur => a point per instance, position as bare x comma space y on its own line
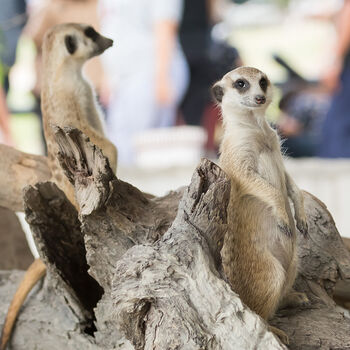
259, 252
67, 100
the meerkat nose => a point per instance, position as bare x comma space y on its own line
110, 42
260, 99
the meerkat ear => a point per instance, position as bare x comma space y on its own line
218, 92
71, 43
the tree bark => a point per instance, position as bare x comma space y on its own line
155, 261
18, 170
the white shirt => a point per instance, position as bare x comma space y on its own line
130, 23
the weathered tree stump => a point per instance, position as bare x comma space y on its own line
133, 271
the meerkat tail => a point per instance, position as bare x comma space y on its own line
34, 273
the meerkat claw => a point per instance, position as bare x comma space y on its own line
280, 334
294, 299
302, 299
303, 228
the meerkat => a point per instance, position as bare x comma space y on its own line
67, 100
259, 253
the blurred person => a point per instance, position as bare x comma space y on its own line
43, 14
303, 105
5, 133
146, 68
195, 38
208, 59
300, 125
46, 13
335, 141
12, 20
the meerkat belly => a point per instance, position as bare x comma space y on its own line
251, 266
255, 227
269, 168
262, 233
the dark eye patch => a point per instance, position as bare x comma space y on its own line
91, 33
71, 43
241, 85
263, 84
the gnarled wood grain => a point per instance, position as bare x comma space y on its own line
158, 263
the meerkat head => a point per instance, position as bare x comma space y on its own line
243, 88
74, 41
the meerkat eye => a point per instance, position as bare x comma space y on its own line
263, 84
241, 84
91, 33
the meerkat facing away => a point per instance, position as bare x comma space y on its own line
259, 254
67, 100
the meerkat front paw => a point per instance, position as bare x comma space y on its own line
299, 299
280, 334
283, 221
294, 299
302, 227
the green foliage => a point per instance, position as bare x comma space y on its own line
1, 74
281, 3
239, 1
2, 67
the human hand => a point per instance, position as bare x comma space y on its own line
7, 139
164, 91
331, 79
289, 127
104, 93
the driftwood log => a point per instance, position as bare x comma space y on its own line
18, 170
133, 271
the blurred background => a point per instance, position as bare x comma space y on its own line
154, 83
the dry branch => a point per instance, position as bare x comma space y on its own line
18, 170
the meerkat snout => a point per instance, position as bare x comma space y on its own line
102, 42
260, 99
243, 88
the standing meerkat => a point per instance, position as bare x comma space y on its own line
259, 254
67, 100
